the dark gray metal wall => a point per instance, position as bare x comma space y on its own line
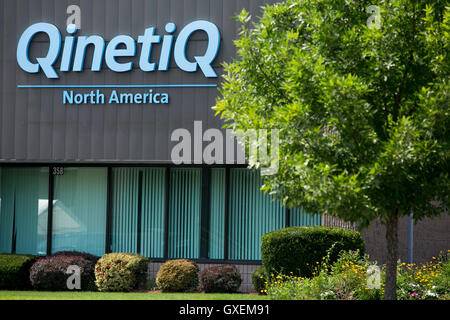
36, 127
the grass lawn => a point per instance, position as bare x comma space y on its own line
46, 295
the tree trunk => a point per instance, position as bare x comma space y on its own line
390, 289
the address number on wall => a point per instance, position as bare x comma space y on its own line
58, 171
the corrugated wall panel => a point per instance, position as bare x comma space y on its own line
252, 214
36, 127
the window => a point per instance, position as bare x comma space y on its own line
138, 211
153, 201
299, 217
79, 210
196, 211
217, 214
125, 206
23, 210
251, 214
185, 212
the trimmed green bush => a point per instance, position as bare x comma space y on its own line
259, 278
121, 272
14, 271
49, 273
179, 275
296, 250
221, 279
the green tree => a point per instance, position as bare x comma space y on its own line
361, 99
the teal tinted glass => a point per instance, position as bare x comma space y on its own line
185, 212
79, 210
153, 202
125, 207
23, 210
252, 214
125, 215
217, 214
299, 217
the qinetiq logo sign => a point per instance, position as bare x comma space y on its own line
75, 47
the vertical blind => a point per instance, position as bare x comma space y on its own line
184, 213
217, 214
79, 210
124, 210
23, 210
299, 217
252, 214
153, 193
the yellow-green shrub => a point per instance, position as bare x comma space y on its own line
121, 272
179, 275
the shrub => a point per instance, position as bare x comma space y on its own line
121, 272
85, 255
14, 271
295, 250
179, 275
223, 279
49, 273
259, 279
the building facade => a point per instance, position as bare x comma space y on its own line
95, 99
